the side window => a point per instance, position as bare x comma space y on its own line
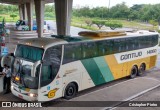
136, 44
154, 40
89, 50
72, 52
129, 44
119, 45
142, 42
51, 64
146, 41
105, 47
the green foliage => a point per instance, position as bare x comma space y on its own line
49, 14
158, 31
49, 8
100, 12
153, 22
13, 16
113, 25
99, 23
121, 11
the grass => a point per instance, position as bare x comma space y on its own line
80, 22
8, 18
84, 26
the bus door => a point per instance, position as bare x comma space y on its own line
50, 80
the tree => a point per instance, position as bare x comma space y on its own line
99, 23
113, 25
13, 16
120, 11
133, 15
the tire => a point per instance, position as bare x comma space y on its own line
142, 69
134, 72
70, 91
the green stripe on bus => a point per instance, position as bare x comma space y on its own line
93, 71
104, 68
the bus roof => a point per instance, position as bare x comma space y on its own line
44, 42
47, 42
93, 36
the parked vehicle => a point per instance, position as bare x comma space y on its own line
22, 25
49, 68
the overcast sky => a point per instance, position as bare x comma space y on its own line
94, 3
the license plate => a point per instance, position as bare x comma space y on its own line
20, 96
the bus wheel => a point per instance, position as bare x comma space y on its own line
142, 69
134, 72
70, 91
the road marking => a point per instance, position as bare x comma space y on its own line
131, 98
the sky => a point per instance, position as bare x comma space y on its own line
95, 3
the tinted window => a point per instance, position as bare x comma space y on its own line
29, 52
154, 40
105, 47
129, 44
119, 45
89, 50
72, 52
50, 65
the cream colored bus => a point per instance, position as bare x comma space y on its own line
44, 69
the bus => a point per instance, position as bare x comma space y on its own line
44, 69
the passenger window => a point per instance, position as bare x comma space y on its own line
89, 50
119, 45
154, 40
129, 44
105, 47
72, 52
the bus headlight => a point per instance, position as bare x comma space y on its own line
17, 78
32, 95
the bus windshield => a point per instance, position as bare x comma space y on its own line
22, 70
29, 53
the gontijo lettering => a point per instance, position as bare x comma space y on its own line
130, 56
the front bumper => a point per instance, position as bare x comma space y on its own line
23, 94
